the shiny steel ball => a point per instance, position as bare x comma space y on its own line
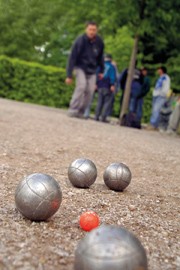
82, 173
38, 197
117, 176
110, 248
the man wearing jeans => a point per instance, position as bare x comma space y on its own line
85, 57
159, 97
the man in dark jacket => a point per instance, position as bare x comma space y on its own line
85, 57
132, 119
135, 87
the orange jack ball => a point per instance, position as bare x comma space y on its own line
89, 221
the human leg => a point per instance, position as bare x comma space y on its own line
88, 109
132, 104
111, 105
100, 103
139, 109
78, 95
107, 104
158, 102
89, 91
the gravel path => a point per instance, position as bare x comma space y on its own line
41, 139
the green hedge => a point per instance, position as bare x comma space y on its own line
36, 83
33, 82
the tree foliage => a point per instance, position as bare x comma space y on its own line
43, 31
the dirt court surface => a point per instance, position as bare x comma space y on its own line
41, 139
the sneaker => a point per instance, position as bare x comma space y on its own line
151, 128
72, 113
171, 132
162, 130
104, 120
81, 116
76, 114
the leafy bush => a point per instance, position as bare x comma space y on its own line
34, 83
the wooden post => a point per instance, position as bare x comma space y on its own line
125, 103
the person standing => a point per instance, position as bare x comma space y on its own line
106, 88
144, 90
131, 119
136, 87
86, 55
159, 97
110, 111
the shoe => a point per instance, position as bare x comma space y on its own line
162, 130
76, 114
151, 128
171, 132
81, 116
72, 113
104, 120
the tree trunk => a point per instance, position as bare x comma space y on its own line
125, 103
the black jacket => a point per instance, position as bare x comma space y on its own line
86, 54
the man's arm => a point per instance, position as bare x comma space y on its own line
72, 59
112, 76
101, 59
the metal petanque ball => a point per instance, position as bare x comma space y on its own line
38, 196
82, 173
117, 176
110, 248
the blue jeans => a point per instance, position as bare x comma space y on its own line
133, 104
139, 111
104, 103
157, 105
111, 105
136, 106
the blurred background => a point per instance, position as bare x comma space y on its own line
36, 37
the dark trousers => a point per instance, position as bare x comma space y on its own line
136, 106
104, 103
110, 110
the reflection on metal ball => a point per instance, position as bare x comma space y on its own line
38, 196
117, 176
82, 173
110, 248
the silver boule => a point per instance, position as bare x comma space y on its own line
82, 173
38, 196
117, 176
110, 248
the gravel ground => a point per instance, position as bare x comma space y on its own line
40, 139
